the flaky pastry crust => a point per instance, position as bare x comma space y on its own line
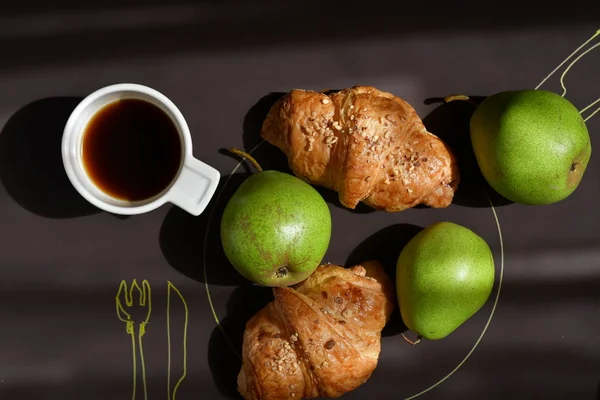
320, 338
366, 144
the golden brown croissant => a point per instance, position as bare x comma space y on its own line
320, 338
365, 144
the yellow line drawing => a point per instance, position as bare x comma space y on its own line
568, 68
588, 107
171, 394
145, 300
568, 58
562, 77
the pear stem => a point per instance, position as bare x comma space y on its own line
416, 342
246, 156
459, 97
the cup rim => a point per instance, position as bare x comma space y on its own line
69, 131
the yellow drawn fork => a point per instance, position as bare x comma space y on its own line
145, 301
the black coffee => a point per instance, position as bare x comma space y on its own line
131, 150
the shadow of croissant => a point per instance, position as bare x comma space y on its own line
450, 122
385, 246
225, 344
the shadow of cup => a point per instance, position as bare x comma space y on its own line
31, 167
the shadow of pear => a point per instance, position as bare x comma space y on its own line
450, 122
31, 167
183, 239
225, 343
385, 246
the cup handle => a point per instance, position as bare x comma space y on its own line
195, 186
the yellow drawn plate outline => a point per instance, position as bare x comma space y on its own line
568, 68
497, 297
501, 277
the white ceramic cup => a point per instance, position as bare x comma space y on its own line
192, 187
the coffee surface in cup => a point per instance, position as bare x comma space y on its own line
132, 150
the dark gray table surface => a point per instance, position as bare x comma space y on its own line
62, 261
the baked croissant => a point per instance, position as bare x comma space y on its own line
320, 338
366, 144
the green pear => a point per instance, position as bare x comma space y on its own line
275, 229
444, 275
532, 146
